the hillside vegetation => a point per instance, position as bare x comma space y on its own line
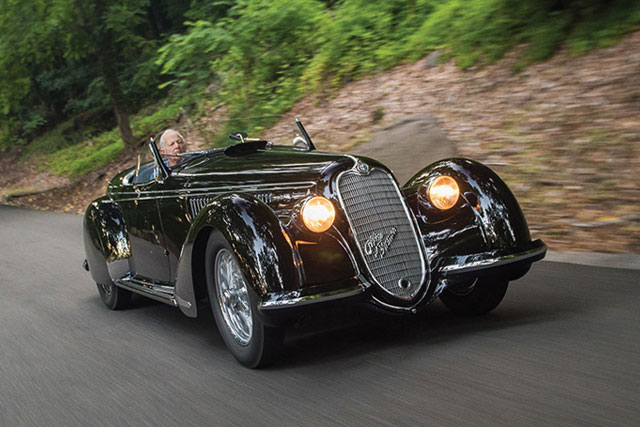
82, 81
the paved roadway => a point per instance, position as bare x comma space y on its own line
562, 349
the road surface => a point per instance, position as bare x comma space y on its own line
562, 349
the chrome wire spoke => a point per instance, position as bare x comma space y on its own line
246, 321
245, 305
224, 277
233, 297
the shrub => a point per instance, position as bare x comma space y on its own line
363, 36
89, 155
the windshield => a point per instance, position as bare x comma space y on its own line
170, 147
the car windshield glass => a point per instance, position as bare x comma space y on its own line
175, 161
294, 137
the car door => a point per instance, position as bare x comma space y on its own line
149, 258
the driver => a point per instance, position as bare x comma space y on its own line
171, 144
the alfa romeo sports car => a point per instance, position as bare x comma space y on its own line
261, 233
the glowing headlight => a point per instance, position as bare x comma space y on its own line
444, 192
318, 214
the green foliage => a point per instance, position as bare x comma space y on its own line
265, 55
484, 30
470, 29
145, 124
208, 10
73, 131
77, 160
50, 142
258, 56
189, 57
363, 36
72, 151
272, 43
604, 24
52, 54
24, 46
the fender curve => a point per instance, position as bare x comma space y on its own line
257, 237
106, 241
487, 217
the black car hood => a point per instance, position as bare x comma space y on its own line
264, 166
270, 168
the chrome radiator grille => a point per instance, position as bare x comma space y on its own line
383, 231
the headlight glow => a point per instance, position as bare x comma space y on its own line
444, 192
318, 214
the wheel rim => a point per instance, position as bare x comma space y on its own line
233, 297
106, 290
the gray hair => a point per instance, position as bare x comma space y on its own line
165, 132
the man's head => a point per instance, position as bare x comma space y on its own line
171, 143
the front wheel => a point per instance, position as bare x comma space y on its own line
234, 306
478, 297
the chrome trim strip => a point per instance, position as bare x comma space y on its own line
131, 199
293, 168
226, 189
311, 299
416, 230
494, 262
154, 291
190, 194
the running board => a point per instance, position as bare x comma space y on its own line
152, 290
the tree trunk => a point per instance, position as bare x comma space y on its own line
154, 17
109, 71
118, 102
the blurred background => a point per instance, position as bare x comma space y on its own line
547, 93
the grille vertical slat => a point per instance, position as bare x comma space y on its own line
198, 203
374, 208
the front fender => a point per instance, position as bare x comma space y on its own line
106, 241
257, 237
487, 217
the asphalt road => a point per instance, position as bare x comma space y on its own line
562, 349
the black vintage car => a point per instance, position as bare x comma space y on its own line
265, 232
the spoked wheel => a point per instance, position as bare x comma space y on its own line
477, 297
113, 297
233, 297
234, 306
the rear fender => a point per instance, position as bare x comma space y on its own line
257, 237
106, 241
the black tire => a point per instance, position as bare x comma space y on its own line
482, 296
114, 297
264, 343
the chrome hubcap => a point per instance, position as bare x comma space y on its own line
233, 297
